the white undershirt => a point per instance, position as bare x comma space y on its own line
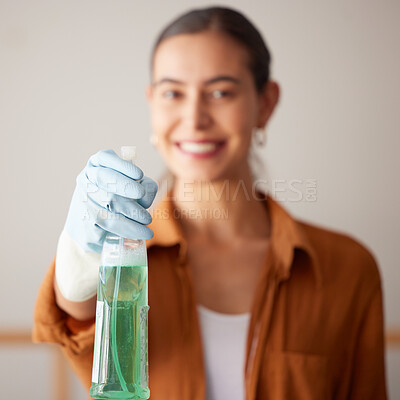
224, 345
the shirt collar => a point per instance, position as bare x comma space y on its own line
287, 235
167, 231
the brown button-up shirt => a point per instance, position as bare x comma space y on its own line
316, 328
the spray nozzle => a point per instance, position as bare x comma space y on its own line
128, 153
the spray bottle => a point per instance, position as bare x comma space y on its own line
120, 360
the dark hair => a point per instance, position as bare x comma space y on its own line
231, 22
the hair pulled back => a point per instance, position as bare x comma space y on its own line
230, 22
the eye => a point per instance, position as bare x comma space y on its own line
171, 94
218, 94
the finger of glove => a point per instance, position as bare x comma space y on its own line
151, 188
114, 182
121, 205
109, 159
122, 226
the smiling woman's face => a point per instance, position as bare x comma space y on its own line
204, 105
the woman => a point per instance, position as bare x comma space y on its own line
249, 304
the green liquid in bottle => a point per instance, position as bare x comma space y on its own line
120, 363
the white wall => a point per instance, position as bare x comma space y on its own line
72, 79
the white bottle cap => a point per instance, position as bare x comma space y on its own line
128, 153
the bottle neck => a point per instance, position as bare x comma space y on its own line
111, 237
123, 251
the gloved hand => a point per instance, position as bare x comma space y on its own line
101, 203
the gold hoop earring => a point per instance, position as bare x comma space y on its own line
260, 136
154, 140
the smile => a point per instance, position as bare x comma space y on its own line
200, 148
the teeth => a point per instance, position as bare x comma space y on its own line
198, 148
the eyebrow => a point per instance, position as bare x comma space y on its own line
219, 78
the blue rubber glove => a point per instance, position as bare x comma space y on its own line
102, 202
111, 195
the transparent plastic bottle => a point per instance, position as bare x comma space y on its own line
120, 359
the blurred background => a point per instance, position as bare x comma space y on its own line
72, 81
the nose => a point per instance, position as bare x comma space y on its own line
196, 113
